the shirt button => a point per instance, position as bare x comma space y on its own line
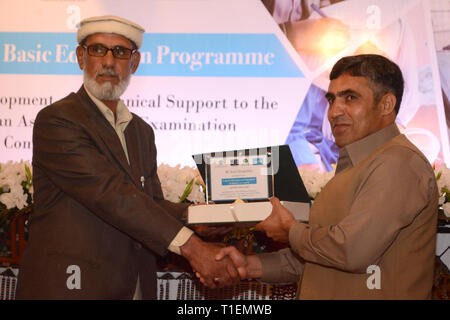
137, 246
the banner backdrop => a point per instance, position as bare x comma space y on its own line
220, 75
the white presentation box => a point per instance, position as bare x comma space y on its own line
242, 212
252, 176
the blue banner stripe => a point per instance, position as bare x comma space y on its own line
38, 53
203, 55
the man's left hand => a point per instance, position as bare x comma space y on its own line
278, 224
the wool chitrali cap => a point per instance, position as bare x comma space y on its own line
110, 24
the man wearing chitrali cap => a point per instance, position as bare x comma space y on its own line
100, 219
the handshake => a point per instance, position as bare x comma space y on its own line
219, 266
215, 265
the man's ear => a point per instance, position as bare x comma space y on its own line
387, 104
80, 57
135, 63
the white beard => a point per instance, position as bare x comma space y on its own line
106, 91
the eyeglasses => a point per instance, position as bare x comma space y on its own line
99, 50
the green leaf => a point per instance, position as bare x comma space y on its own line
447, 193
28, 173
187, 191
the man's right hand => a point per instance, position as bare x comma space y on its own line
239, 260
249, 267
212, 273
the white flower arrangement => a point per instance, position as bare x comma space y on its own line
15, 184
180, 184
315, 180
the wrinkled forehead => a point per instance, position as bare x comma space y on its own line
348, 82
